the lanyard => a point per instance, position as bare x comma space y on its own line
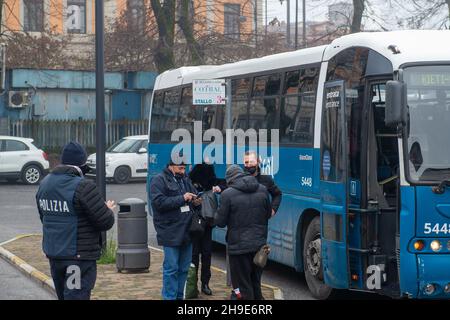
181, 185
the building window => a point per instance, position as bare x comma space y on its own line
136, 14
76, 16
231, 20
33, 14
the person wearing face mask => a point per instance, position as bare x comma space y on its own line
173, 198
73, 214
251, 166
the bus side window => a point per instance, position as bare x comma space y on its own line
238, 116
158, 117
265, 103
187, 113
263, 113
298, 106
164, 116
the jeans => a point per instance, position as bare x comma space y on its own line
73, 279
177, 261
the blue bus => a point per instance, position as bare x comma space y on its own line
364, 155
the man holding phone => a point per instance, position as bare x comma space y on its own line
172, 199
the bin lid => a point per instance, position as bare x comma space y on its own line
131, 201
132, 205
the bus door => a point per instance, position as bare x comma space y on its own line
378, 220
334, 193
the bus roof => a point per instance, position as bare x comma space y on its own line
185, 75
414, 46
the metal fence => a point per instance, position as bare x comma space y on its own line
56, 133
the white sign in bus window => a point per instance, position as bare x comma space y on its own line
207, 92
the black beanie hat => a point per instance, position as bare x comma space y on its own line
74, 154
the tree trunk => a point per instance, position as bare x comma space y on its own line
186, 24
165, 19
358, 9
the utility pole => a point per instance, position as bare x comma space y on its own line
288, 31
265, 32
100, 103
256, 23
304, 23
296, 24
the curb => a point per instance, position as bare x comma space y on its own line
34, 274
277, 293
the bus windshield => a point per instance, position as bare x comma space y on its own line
429, 122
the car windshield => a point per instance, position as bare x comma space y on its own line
125, 146
429, 122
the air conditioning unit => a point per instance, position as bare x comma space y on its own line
18, 99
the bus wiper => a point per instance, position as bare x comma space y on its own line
441, 187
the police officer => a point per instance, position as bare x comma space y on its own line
73, 215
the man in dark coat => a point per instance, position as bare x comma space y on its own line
73, 214
245, 210
251, 165
173, 197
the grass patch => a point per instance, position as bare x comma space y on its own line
109, 253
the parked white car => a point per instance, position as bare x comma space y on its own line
125, 160
21, 159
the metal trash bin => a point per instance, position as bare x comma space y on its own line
133, 254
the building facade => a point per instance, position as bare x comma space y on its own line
77, 17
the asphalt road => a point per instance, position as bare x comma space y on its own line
18, 215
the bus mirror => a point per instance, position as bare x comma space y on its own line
395, 103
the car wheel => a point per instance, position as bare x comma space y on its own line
31, 174
312, 261
122, 175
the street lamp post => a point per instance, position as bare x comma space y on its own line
296, 24
100, 103
304, 23
288, 22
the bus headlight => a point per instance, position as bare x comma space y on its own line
436, 245
419, 245
429, 289
447, 288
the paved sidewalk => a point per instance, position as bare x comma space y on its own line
111, 284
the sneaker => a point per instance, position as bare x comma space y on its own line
235, 294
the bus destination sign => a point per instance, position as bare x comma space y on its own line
429, 79
208, 92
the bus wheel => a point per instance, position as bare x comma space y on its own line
312, 262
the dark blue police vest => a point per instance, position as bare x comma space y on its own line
55, 200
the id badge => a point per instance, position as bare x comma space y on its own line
185, 209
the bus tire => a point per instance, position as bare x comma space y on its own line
122, 175
312, 262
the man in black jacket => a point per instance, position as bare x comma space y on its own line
251, 165
73, 215
245, 210
172, 199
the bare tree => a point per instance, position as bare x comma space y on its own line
164, 12
428, 14
130, 42
358, 10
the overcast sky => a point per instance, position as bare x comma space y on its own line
386, 13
